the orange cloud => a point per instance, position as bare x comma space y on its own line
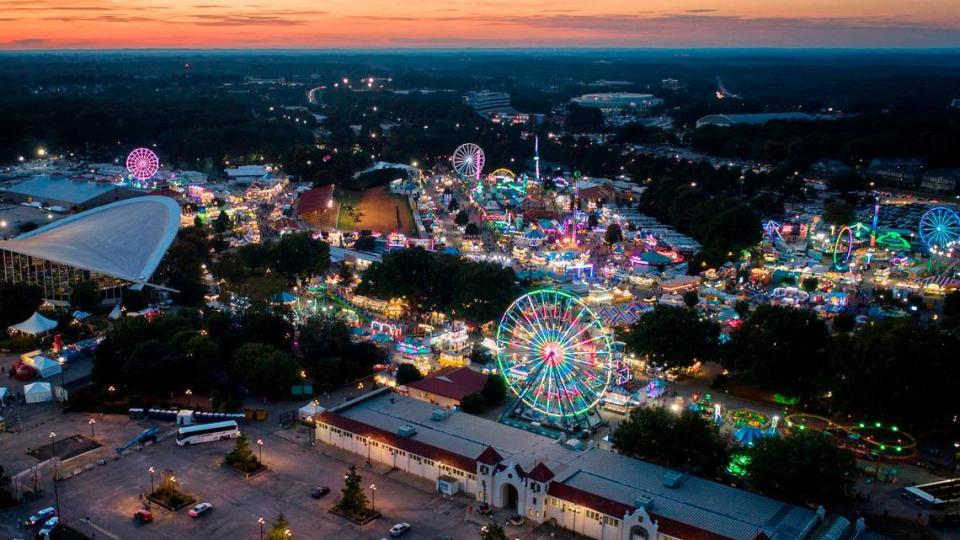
49, 24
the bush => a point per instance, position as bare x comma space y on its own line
473, 403
241, 457
408, 373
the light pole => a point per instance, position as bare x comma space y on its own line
261, 521
151, 470
373, 497
93, 432
61, 361
260, 444
53, 454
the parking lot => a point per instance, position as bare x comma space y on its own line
100, 500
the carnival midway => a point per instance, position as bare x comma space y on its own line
586, 266
592, 266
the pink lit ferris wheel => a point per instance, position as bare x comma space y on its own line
142, 163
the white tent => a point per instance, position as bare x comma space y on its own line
116, 312
37, 392
4, 394
36, 324
310, 411
46, 367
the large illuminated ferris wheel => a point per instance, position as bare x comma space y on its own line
555, 355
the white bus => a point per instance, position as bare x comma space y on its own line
201, 433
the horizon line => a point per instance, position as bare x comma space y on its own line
576, 48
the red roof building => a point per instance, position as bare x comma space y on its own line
489, 456
448, 386
317, 207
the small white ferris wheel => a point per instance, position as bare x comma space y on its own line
468, 160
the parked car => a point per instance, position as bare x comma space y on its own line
41, 516
143, 516
200, 509
399, 529
516, 521
48, 527
319, 491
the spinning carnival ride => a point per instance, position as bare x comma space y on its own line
843, 249
142, 164
556, 357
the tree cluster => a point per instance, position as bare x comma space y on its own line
17, 303
674, 337
805, 468
895, 370
684, 441
725, 225
431, 281
864, 137
493, 393
330, 357
171, 353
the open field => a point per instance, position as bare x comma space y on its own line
375, 209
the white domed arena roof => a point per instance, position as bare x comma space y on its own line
126, 239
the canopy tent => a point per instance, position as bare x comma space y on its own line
36, 324
115, 313
284, 298
46, 367
748, 435
4, 394
655, 259
310, 411
38, 392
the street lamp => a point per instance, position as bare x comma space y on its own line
260, 444
53, 454
151, 470
373, 497
261, 521
93, 432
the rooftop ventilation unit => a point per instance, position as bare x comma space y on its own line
643, 501
673, 479
406, 430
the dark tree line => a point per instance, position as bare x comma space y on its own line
929, 136
894, 370
804, 468
430, 281
173, 353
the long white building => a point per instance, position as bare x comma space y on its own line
593, 492
616, 102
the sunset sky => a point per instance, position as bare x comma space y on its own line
50, 24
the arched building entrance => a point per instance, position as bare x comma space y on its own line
510, 497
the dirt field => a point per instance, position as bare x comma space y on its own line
375, 209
